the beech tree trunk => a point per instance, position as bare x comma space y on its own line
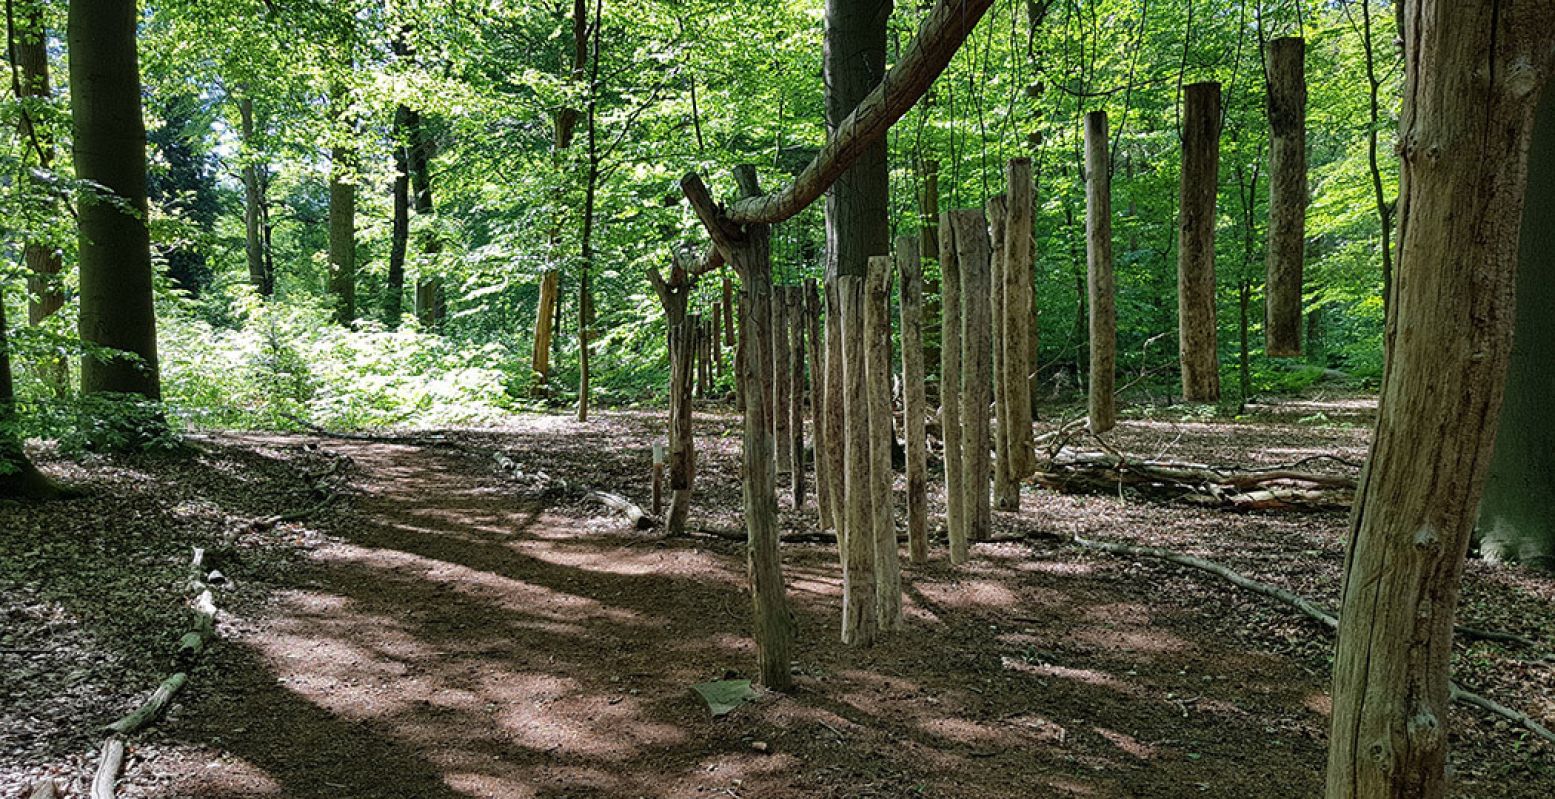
860, 618
914, 401
253, 204
1287, 195
877, 360
1103, 413
950, 388
29, 51
115, 245
399, 236
342, 235
1196, 331
1474, 72
972, 255
1019, 290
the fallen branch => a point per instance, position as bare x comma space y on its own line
108, 768
143, 716
637, 516
1108, 471
1329, 620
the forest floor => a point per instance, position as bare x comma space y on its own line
450, 630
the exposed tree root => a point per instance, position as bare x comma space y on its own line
1329, 620
108, 767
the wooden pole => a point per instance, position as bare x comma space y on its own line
972, 253
1196, 245
812, 305
658, 478
1098, 239
782, 383
1019, 356
728, 304
877, 358
836, 441
793, 301
1287, 195
1006, 490
682, 465
914, 401
859, 615
950, 388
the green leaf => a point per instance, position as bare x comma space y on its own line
723, 696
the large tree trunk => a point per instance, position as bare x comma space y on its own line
1196, 244
972, 255
430, 306
1287, 195
342, 235
877, 360
117, 311
950, 388
29, 51
909, 266
1474, 73
1098, 237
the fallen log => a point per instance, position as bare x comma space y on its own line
637, 516
143, 716
1109, 472
108, 768
1312, 610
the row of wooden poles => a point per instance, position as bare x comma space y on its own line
987, 367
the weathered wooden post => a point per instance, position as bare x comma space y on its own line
1287, 195
1102, 292
1196, 244
972, 254
909, 267
877, 360
950, 388
1019, 354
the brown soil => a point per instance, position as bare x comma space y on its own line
458, 632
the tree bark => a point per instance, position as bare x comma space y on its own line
950, 388
1103, 413
877, 360
1196, 244
909, 266
399, 236
860, 618
1474, 74
19, 479
1005, 488
1287, 196
674, 295
857, 221
812, 304
928, 249
1019, 357
834, 422
30, 57
793, 302
972, 255
115, 245
782, 383
342, 235
253, 204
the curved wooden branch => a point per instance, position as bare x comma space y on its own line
941, 35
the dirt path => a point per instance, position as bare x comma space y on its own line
454, 638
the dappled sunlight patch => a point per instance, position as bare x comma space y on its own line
967, 732
1090, 677
970, 594
476, 784
1057, 567
584, 724
1127, 743
1142, 639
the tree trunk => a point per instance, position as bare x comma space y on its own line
877, 360
399, 236
29, 52
253, 204
950, 388
1196, 244
19, 479
914, 402
1098, 236
860, 618
342, 235
1019, 357
928, 249
586, 245
1373, 131
1287, 195
857, 225
793, 302
728, 313
972, 255
117, 312
1005, 488
430, 306
1474, 73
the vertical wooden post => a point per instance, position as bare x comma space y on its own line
715, 338
682, 445
859, 619
812, 304
972, 253
782, 383
728, 302
658, 480
793, 301
1287, 195
1005, 489
1196, 332
877, 360
950, 388
928, 249
740, 356
836, 441
1098, 240
909, 267
1019, 356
